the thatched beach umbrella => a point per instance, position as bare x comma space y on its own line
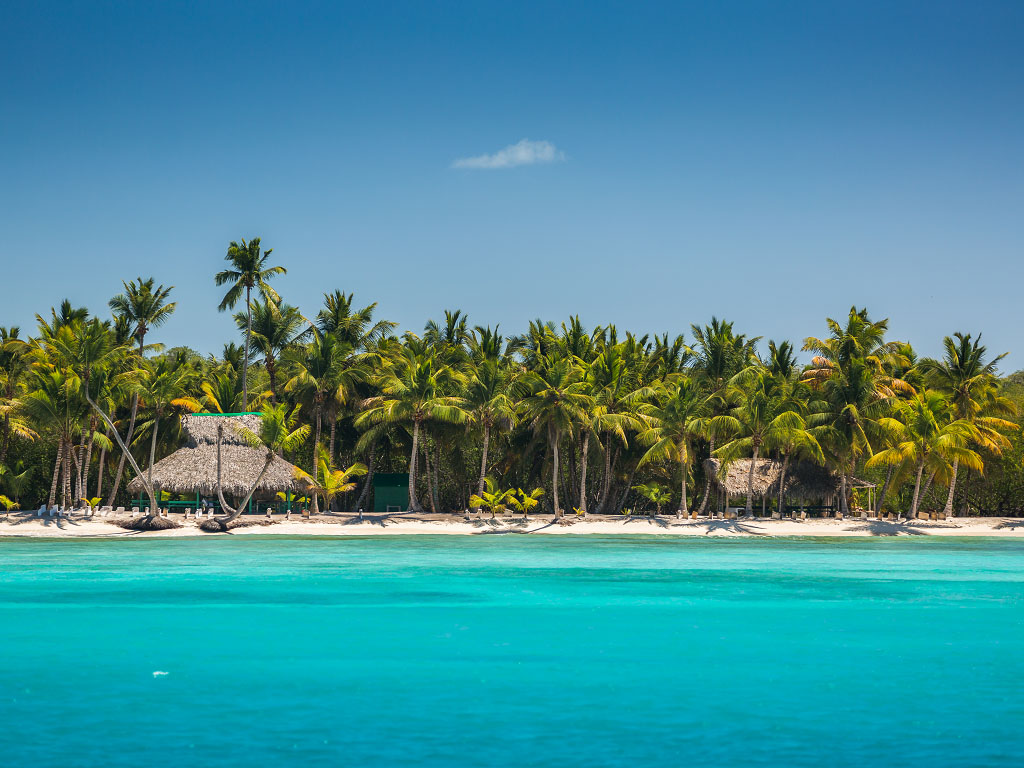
805, 482
193, 469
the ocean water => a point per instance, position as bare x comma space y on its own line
511, 651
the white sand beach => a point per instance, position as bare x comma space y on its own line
28, 525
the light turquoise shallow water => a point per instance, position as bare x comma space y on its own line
511, 651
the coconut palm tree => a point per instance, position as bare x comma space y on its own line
331, 483
968, 381
679, 414
326, 372
556, 403
248, 271
279, 431
355, 326
931, 437
491, 394
716, 356
853, 391
54, 403
143, 306
414, 390
491, 498
14, 370
272, 328
525, 501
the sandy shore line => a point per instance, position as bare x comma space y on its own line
28, 525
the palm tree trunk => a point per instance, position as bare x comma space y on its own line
890, 471
430, 478
947, 510
435, 489
363, 494
88, 456
583, 472
56, 474
272, 373
844, 507
330, 441
554, 472
483, 466
81, 467
245, 361
152, 458
625, 493
927, 486
316, 439
606, 480
102, 466
124, 451
414, 505
65, 495
707, 479
750, 483
682, 499
782, 484
917, 489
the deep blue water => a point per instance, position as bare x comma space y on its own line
511, 651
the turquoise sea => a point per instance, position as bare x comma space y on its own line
511, 651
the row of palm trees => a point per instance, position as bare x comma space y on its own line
590, 416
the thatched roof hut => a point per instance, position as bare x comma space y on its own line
193, 469
805, 481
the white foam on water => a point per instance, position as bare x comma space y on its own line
159, 673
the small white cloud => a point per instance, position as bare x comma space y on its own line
525, 152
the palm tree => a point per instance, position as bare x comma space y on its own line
613, 385
143, 305
248, 270
854, 393
930, 438
556, 404
14, 369
325, 373
717, 355
490, 497
159, 388
414, 391
655, 493
272, 328
969, 384
329, 482
54, 403
279, 432
678, 415
490, 395
523, 501
354, 326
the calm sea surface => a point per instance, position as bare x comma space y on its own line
511, 651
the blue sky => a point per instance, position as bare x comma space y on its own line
770, 162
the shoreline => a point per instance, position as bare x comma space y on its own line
27, 525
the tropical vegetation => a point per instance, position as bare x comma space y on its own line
595, 420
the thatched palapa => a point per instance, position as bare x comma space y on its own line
193, 469
805, 481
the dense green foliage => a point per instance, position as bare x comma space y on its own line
595, 420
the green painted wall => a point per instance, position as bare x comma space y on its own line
390, 489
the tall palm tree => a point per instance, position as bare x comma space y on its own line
322, 378
414, 391
54, 403
272, 328
969, 383
491, 394
248, 270
14, 370
143, 306
678, 415
355, 326
854, 392
716, 356
556, 403
932, 438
